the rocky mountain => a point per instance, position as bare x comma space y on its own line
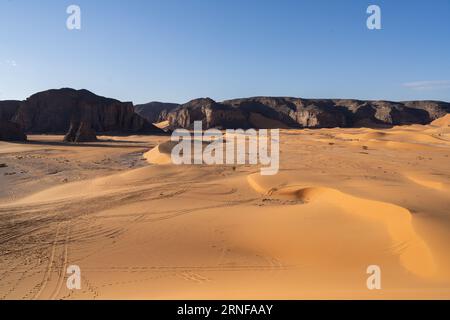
53, 111
286, 112
155, 112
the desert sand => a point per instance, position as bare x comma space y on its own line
141, 228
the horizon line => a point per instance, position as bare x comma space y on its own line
230, 99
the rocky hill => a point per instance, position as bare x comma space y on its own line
286, 112
53, 111
155, 112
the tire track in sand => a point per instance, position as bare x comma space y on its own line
62, 271
49, 268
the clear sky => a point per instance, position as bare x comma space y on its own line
174, 51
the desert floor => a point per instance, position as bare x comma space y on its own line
344, 199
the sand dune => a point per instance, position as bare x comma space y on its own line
442, 122
155, 156
428, 182
162, 125
140, 227
416, 256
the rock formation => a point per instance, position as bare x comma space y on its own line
8, 109
10, 131
52, 111
80, 132
285, 112
212, 114
155, 112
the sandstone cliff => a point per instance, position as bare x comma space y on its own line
10, 131
155, 112
52, 111
286, 112
8, 109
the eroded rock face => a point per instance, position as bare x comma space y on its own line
8, 109
285, 112
213, 115
10, 131
435, 109
155, 112
52, 112
80, 132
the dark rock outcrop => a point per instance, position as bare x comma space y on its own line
10, 131
52, 112
435, 109
155, 112
213, 115
8, 109
286, 112
80, 132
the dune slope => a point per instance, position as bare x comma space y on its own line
141, 228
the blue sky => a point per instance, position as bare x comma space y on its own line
145, 50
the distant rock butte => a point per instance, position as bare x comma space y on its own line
52, 111
155, 112
285, 112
